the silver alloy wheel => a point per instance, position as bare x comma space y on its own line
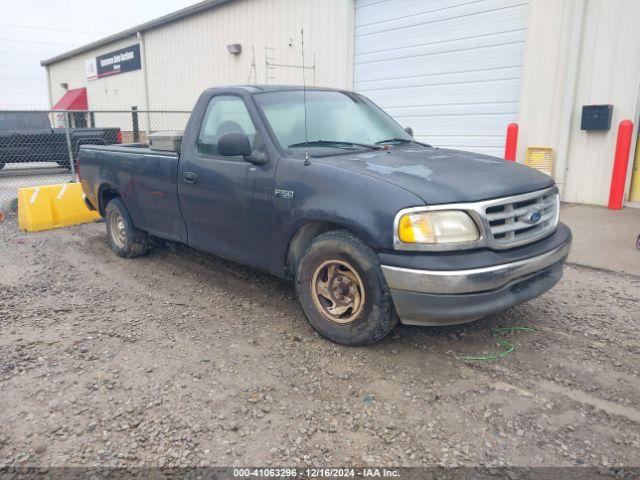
337, 291
117, 229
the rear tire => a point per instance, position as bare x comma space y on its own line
125, 239
342, 291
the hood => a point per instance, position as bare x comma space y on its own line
438, 175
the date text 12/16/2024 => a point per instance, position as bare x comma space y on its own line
315, 473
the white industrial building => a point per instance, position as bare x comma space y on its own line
456, 71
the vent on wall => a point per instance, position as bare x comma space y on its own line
540, 158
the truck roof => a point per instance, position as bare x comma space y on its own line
272, 88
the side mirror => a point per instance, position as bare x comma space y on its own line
409, 130
232, 144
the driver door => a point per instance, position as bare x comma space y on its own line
226, 201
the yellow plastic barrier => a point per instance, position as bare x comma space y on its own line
52, 206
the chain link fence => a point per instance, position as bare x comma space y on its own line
40, 147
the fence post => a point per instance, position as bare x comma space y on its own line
134, 122
72, 163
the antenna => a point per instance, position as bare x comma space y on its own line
304, 100
252, 70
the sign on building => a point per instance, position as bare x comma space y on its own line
91, 67
113, 63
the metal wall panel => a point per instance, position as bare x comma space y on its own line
189, 55
580, 53
450, 69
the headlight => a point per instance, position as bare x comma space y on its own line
437, 227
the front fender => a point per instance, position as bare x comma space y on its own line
362, 204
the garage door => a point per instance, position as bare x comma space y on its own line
450, 69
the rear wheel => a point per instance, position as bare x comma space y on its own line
125, 239
342, 291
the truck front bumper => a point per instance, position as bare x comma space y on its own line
446, 297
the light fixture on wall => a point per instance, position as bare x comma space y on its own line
64, 86
234, 49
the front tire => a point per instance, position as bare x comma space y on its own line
342, 291
125, 239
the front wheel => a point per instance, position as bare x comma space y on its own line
125, 239
342, 291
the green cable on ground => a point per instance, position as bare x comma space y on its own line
503, 342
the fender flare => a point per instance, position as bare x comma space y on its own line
101, 196
302, 233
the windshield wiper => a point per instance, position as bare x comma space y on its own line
402, 140
328, 143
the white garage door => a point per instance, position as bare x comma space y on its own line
450, 69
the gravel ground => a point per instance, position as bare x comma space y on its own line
180, 358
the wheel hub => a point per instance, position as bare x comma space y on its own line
118, 230
337, 291
342, 288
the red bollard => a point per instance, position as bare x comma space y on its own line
620, 164
511, 144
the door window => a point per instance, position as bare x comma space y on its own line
225, 113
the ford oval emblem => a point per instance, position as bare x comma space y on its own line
533, 217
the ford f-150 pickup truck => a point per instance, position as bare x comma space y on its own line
323, 187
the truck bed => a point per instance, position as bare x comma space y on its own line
147, 179
50, 144
130, 148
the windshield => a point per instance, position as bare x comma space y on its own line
332, 116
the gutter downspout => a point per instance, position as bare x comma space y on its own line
49, 94
351, 41
574, 52
145, 83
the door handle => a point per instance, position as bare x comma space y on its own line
190, 177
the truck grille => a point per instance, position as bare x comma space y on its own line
521, 219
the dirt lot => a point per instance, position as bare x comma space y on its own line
180, 358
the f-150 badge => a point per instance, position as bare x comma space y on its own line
284, 194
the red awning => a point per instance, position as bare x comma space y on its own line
75, 99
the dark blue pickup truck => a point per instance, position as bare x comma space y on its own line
323, 187
29, 137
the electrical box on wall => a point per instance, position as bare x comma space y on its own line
596, 117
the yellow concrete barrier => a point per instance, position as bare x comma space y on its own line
52, 206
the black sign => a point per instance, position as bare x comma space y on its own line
124, 60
